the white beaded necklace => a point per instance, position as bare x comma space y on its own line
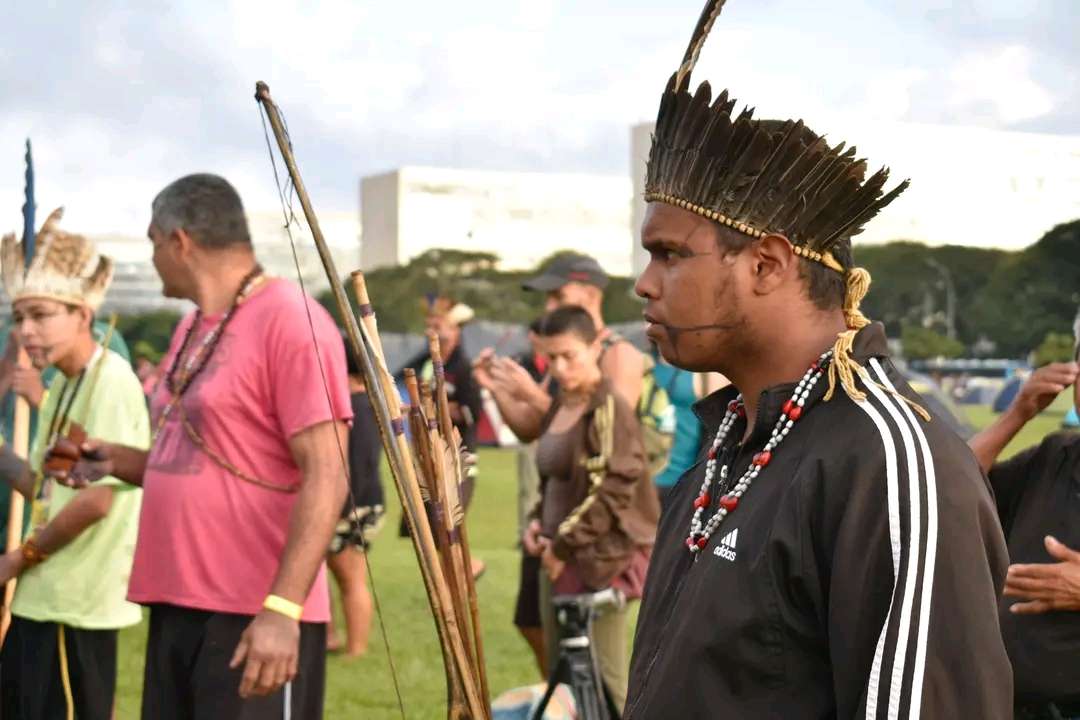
792, 411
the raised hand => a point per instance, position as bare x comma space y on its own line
1042, 387
26, 381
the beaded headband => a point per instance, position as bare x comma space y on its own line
758, 177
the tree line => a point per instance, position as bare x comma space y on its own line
947, 301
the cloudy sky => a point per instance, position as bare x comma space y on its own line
119, 100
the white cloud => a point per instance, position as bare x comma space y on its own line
998, 86
140, 95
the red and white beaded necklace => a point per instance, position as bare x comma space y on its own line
793, 410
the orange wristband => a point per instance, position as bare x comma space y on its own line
31, 553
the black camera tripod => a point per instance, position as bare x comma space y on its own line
576, 665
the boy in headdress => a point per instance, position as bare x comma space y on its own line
835, 552
59, 654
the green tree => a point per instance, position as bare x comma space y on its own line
911, 282
1055, 348
1032, 293
148, 333
922, 344
399, 293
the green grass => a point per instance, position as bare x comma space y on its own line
1049, 421
364, 688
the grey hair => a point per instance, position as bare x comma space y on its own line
204, 206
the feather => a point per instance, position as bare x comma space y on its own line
443, 455
13, 264
772, 176
709, 13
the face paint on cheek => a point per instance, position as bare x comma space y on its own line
700, 299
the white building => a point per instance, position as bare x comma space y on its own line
969, 186
522, 217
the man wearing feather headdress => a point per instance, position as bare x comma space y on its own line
60, 653
1038, 499
835, 552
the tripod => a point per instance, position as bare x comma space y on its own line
576, 665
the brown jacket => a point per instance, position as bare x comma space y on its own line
609, 503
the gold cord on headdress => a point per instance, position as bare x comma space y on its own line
843, 366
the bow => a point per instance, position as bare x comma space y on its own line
432, 472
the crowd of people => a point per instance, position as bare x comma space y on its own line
218, 495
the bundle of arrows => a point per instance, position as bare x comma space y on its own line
424, 453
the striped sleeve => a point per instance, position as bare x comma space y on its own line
917, 567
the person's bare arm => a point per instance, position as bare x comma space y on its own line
98, 459
624, 365
523, 419
85, 509
521, 401
16, 472
269, 647
1037, 393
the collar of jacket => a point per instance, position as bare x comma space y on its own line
870, 342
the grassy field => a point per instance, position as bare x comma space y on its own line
365, 688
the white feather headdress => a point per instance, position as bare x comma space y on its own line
65, 267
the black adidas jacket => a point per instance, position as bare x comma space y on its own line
862, 582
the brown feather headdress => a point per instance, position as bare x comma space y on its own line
767, 177
65, 267
757, 177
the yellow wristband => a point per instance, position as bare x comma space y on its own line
280, 605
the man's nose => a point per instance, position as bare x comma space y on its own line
646, 286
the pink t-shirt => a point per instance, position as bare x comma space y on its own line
208, 539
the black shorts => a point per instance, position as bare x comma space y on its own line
32, 672
527, 612
187, 674
357, 527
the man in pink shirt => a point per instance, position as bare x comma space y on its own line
244, 481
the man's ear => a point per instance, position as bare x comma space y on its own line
774, 262
87, 316
184, 242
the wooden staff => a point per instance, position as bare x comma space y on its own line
20, 443
387, 405
447, 428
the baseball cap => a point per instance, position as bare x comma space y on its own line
571, 267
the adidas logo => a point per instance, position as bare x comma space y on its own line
726, 546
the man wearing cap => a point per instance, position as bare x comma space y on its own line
1038, 500
569, 279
